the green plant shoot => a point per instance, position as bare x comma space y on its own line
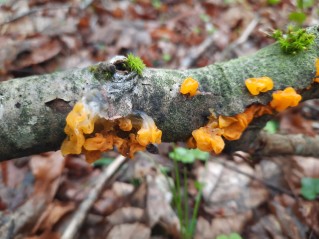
134, 63
294, 40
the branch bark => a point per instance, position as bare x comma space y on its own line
33, 109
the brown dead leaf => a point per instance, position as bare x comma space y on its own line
265, 226
37, 55
241, 196
203, 229
121, 34
138, 199
158, 207
308, 211
227, 225
16, 185
15, 47
77, 166
126, 215
298, 167
46, 168
122, 189
46, 235
53, 213
292, 122
164, 33
107, 203
129, 231
221, 225
290, 225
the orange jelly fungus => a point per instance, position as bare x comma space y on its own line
148, 133
125, 124
91, 135
79, 122
257, 85
210, 137
189, 86
283, 99
316, 79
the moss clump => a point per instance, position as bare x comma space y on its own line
134, 63
93, 69
294, 40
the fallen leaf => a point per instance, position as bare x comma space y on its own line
46, 168
265, 226
241, 195
126, 215
122, 189
129, 231
290, 225
53, 213
158, 208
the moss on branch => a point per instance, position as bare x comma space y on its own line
33, 109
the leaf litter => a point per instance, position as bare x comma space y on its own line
257, 198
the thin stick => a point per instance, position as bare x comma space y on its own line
79, 217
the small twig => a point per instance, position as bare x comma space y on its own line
85, 4
197, 51
79, 217
278, 144
244, 36
31, 12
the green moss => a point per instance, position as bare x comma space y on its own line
294, 40
134, 63
93, 69
101, 71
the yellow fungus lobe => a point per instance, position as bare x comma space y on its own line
148, 133
189, 86
99, 142
209, 140
125, 124
284, 99
89, 134
257, 85
316, 79
79, 122
210, 137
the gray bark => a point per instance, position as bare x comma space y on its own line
33, 109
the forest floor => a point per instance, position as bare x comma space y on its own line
234, 196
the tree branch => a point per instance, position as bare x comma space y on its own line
33, 109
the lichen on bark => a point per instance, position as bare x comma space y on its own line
28, 125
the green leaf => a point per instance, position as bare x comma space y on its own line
157, 4
198, 185
198, 154
310, 188
300, 4
103, 162
308, 3
204, 17
222, 237
273, 2
271, 127
182, 155
234, 236
188, 155
166, 57
298, 17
